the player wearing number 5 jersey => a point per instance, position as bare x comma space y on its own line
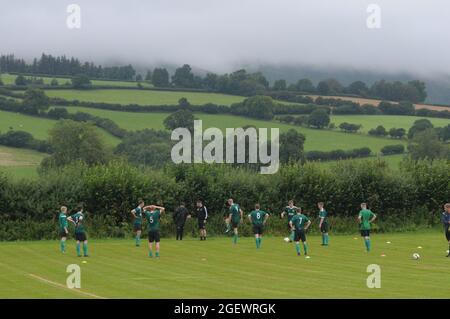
300, 223
258, 218
152, 214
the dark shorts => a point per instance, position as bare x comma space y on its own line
62, 233
447, 232
289, 227
153, 236
137, 227
365, 233
234, 224
80, 236
300, 235
201, 224
324, 227
258, 229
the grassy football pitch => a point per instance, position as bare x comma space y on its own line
217, 269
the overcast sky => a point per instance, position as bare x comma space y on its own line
219, 35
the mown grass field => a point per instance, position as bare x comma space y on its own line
388, 121
9, 79
144, 97
375, 102
39, 127
323, 140
393, 161
217, 269
19, 163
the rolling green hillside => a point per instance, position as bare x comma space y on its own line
18, 162
388, 121
38, 127
323, 140
9, 79
143, 97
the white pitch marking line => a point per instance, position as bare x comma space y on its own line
64, 287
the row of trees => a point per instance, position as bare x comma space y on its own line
62, 65
243, 83
239, 82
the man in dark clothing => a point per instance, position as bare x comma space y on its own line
202, 216
179, 218
446, 223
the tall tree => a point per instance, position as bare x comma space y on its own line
75, 141
183, 77
319, 119
35, 101
160, 77
419, 126
426, 144
81, 82
279, 85
180, 119
291, 146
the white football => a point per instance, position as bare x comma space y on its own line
80, 218
286, 239
415, 256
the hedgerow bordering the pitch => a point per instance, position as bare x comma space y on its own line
405, 200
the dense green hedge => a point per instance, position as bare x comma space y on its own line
393, 149
404, 200
338, 154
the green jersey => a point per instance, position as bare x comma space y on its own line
235, 213
366, 215
257, 217
138, 213
78, 218
323, 214
299, 221
153, 219
62, 221
290, 212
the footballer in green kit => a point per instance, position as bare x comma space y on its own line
235, 218
137, 225
80, 231
365, 218
289, 211
300, 224
258, 218
152, 214
63, 228
323, 223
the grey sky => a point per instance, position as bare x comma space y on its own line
220, 35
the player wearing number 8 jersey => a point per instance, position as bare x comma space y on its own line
152, 214
300, 223
258, 219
